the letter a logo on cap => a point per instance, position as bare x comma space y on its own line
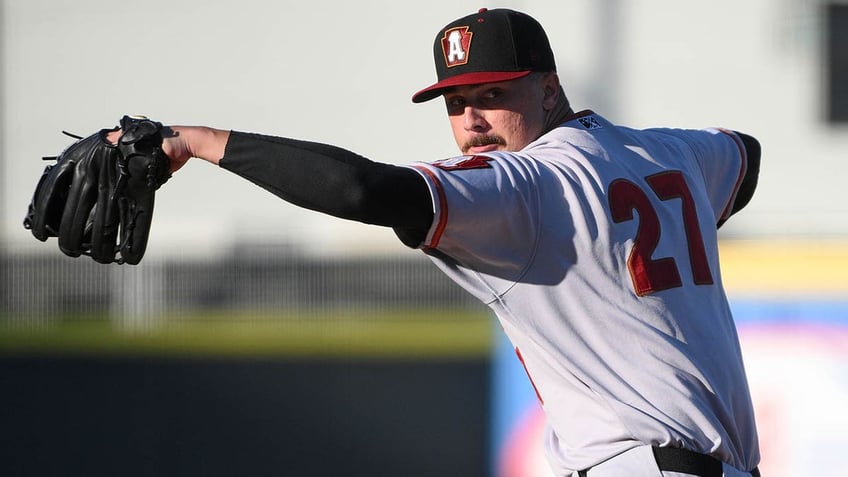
456, 44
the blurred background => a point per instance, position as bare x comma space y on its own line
257, 338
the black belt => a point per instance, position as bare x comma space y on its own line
672, 459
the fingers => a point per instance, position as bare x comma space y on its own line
87, 224
136, 204
48, 201
91, 162
82, 197
136, 218
105, 216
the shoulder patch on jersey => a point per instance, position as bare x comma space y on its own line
590, 122
464, 162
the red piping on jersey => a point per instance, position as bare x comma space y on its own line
532, 383
443, 208
743, 154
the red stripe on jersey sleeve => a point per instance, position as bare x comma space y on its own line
743, 154
442, 208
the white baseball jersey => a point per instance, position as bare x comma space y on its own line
596, 247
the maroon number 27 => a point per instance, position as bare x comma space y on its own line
649, 274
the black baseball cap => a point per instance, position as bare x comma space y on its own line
486, 47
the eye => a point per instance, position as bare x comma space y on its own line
455, 101
455, 104
492, 95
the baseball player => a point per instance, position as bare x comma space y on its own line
594, 244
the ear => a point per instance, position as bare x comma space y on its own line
551, 88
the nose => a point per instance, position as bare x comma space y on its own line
474, 120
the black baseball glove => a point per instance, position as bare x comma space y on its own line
98, 197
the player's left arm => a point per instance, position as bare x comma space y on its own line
316, 176
752, 172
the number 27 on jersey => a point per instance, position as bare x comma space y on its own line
654, 274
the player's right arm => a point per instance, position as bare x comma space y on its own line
729, 162
315, 176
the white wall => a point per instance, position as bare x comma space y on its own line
343, 72
754, 66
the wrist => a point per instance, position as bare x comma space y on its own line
202, 142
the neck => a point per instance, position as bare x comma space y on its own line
559, 113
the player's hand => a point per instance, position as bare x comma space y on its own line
174, 145
98, 197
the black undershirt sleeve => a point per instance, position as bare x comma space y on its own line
752, 173
334, 181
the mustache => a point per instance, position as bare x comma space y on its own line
483, 140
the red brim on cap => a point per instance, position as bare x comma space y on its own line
466, 79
